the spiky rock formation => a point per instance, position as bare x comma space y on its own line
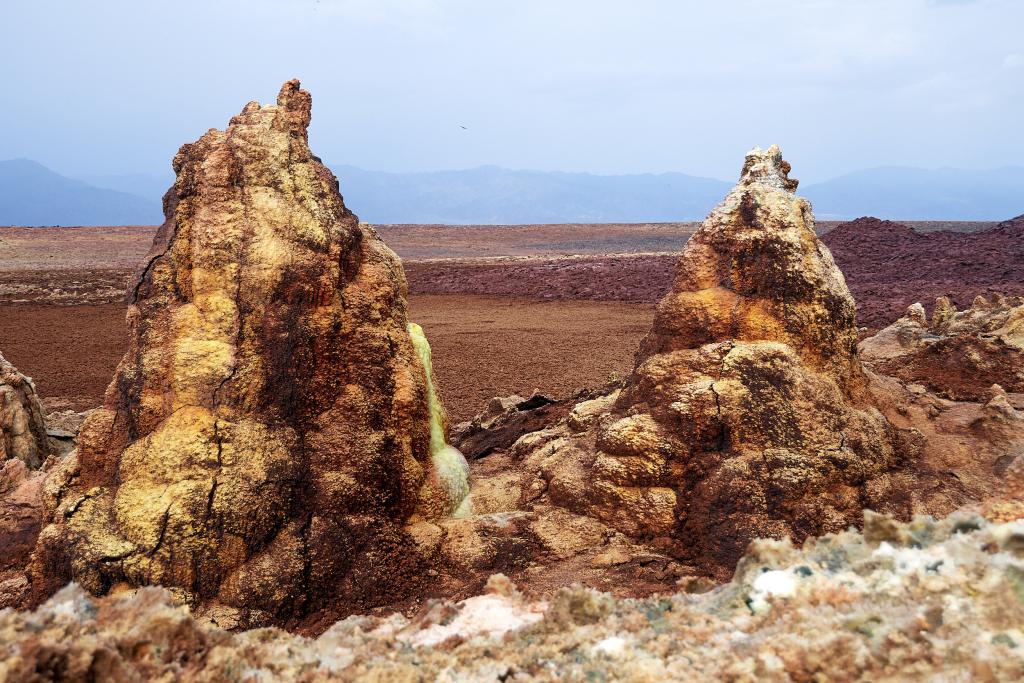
746, 414
959, 354
22, 430
267, 433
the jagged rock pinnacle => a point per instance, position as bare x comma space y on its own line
267, 433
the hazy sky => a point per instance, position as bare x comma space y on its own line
112, 86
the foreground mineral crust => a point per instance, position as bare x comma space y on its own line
920, 601
268, 433
22, 429
747, 413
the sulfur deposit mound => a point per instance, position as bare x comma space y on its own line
22, 430
747, 413
268, 433
958, 354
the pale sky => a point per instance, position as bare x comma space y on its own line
112, 86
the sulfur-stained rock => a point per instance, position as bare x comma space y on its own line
959, 354
747, 413
22, 430
268, 432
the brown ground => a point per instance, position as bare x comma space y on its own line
507, 308
483, 346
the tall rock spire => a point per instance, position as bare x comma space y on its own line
267, 433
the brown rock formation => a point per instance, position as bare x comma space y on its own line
22, 430
747, 413
267, 434
959, 354
20, 519
889, 266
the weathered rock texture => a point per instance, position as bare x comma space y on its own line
959, 354
20, 520
267, 433
22, 430
747, 413
889, 266
918, 601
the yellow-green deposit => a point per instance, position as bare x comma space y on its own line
450, 465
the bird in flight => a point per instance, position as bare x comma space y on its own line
463, 128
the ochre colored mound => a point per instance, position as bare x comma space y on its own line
267, 433
747, 413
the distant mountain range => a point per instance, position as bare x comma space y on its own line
31, 194
903, 193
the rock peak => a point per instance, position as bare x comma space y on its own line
292, 98
767, 167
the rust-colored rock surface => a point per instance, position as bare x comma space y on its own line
267, 435
958, 354
20, 520
22, 430
747, 413
890, 266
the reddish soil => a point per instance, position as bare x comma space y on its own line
611, 278
483, 347
542, 333
889, 266
70, 352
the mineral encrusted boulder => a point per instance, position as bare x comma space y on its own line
959, 354
22, 430
268, 432
747, 413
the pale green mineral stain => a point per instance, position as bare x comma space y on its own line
449, 463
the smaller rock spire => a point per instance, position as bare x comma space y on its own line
22, 431
297, 104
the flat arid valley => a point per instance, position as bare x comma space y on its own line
324, 423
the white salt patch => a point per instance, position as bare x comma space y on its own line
774, 583
490, 616
612, 645
920, 562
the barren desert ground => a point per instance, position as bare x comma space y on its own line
507, 309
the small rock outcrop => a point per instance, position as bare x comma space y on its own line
20, 520
958, 354
747, 413
22, 430
268, 433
